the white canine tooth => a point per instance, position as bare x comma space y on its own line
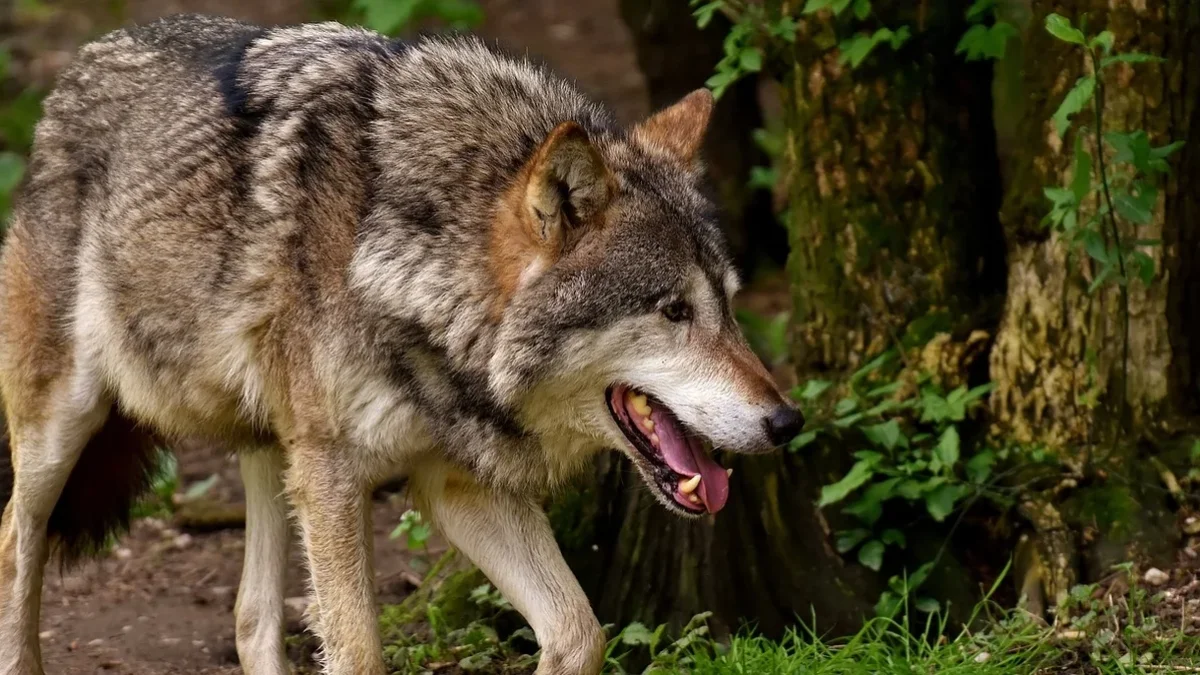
654, 439
693, 499
688, 486
728, 472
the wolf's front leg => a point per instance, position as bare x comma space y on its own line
510, 539
333, 506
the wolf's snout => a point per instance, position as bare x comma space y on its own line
784, 424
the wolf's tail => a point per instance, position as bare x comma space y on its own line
115, 469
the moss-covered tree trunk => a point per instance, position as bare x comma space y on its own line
893, 189
1064, 379
891, 170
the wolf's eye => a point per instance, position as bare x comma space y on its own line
678, 311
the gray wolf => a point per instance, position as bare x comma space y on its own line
353, 258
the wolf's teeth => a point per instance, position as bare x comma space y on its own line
639, 403
654, 440
648, 423
693, 499
729, 472
688, 486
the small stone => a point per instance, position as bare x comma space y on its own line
1156, 577
197, 643
982, 657
127, 629
95, 643
1191, 525
123, 553
170, 642
46, 634
183, 541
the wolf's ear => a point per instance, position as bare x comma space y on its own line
568, 186
679, 129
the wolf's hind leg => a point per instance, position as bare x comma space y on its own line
46, 444
510, 539
259, 608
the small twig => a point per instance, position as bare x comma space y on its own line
1098, 99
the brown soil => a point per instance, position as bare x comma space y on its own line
162, 602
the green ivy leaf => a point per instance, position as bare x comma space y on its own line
636, 634
979, 467
886, 435
893, 537
978, 8
947, 447
1144, 266
1059, 196
926, 604
704, 13
813, 6
888, 605
910, 489
1131, 57
802, 440
1060, 27
1106, 271
942, 500
845, 406
986, 42
871, 554
1075, 100
860, 473
813, 389
862, 9
1093, 243
785, 29
751, 59
1104, 40
1136, 208
848, 539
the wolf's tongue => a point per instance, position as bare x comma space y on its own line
686, 456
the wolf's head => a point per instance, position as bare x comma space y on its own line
617, 325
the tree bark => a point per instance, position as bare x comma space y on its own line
893, 190
1063, 380
676, 57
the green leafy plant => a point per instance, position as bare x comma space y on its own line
1116, 175
415, 531
392, 16
911, 451
984, 41
18, 117
160, 501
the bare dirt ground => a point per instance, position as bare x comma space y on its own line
162, 602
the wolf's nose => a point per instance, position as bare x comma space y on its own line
784, 424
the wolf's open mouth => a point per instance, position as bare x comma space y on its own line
682, 468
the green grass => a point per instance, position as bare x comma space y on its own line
1120, 627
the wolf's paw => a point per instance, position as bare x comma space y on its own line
576, 652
